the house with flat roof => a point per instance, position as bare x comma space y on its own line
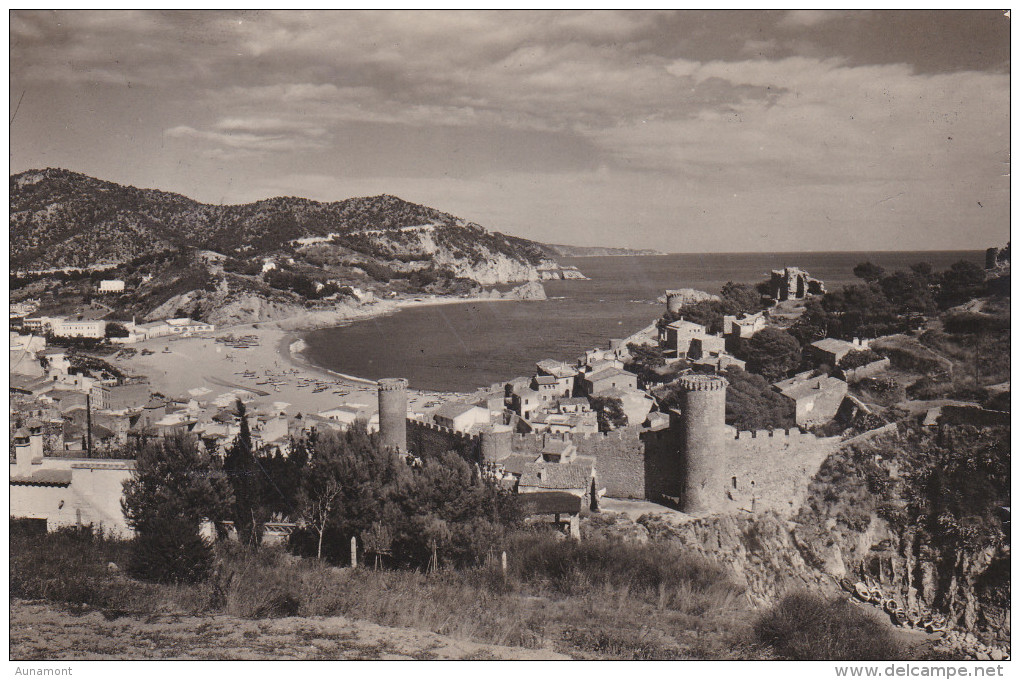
594, 384
816, 399
66, 491
460, 416
830, 350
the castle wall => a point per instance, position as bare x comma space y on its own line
852, 375
430, 440
664, 466
771, 470
619, 457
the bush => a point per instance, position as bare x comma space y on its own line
177, 554
69, 565
256, 584
657, 573
857, 358
808, 627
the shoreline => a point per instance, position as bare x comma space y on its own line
270, 372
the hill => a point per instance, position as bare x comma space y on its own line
67, 230
65, 219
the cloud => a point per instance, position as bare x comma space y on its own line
242, 137
807, 18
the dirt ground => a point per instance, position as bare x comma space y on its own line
40, 631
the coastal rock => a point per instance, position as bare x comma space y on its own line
676, 300
533, 290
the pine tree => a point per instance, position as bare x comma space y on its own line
174, 489
247, 480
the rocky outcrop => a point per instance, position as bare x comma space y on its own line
761, 552
532, 290
224, 310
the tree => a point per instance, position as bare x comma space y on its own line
963, 281
868, 271
647, 362
752, 404
173, 489
908, 293
247, 478
394, 507
116, 330
610, 412
743, 295
319, 507
814, 324
771, 353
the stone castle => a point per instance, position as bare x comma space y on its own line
694, 462
793, 284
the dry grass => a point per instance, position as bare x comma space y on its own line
597, 599
807, 627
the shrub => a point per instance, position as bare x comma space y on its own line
69, 565
171, 553
857, 358
256, 584
658, 573
805, 626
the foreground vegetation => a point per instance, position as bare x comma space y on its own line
600, 598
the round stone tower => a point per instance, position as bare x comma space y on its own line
675, 300
496, 442
704, 439
393, 413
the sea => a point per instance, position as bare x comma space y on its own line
461, 347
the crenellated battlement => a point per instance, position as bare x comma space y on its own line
702, 383
792, 433
392, 384
448, 431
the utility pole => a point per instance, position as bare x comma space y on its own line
88, 423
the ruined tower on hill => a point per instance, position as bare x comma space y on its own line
793, 284
703, 436
393, 413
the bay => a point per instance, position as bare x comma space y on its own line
460, 347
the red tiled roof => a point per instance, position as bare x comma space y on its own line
557, 475
44, 478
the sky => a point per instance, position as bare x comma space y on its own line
689, 131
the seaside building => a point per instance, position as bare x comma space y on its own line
816, 399
462, 417
597, 383
84, 328
111, 286
66, 491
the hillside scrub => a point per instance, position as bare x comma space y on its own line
599, 599
884, 304
941, 494
808, 627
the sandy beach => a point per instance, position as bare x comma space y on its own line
272, 372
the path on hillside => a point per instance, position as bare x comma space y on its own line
42, 631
